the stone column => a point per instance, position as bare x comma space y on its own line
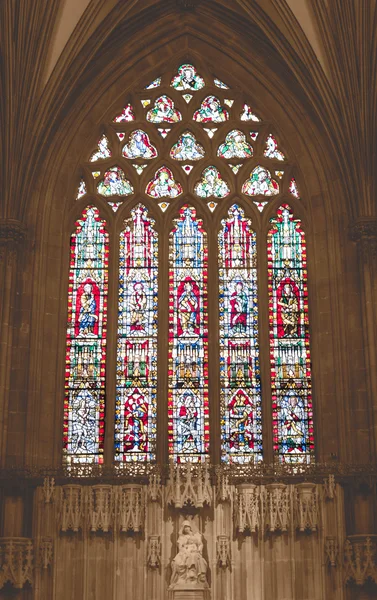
12, 234
364, 233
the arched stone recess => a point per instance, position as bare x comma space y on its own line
105, 86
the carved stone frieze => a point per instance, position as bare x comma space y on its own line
154, 552
329, 487
72, 507
189, 485
48, 489
331, 550
360, 561
278, 511
131, 508
364, 232
45, 552
306, 506
223, 552
101, 507
248, 508
16, 561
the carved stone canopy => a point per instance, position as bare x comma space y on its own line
364, 232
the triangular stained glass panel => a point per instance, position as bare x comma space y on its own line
115, 205
210, 132
81, 190
121, 136
155, 83
221, 84
187, 169
145, 103
139, 168
235, 168
96, 174
254, 135
271, 150
248, 115
211, 206
103, 151
260, 205
127, 114
163, 206
293, 188
228, 102
187, 97
279, 174
163, 132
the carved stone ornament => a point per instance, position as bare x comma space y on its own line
16, 561
154, 552
154, 488
72, 507
48, 489
12, 234
331, 550
278, 514
101, 508
223, 552
360, 559
306, 507
131, 508
45, 553
223, 487
189, 485
364, 232
329, 487
188, 567
247, 508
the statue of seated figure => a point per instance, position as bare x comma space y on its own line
189, 567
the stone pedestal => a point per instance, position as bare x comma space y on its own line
189, 593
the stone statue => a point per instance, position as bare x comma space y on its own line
189, 567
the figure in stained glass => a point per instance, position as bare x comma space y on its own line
288, 309
87, 313
163, 185
164, 111
135, 417
289, 339
187, 79
241, 426
235, 146
115, 183
127, 114
188, 304
187, 148
239, 306
240, 395
103, 150
260, 182
294, 432
86, 341
188, 408
212, 184
211, 111
139, 146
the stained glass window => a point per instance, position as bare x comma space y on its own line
187, 79
188, 410
136, 383
241, 419
271, 150
115, 183
212, 184
235, 146
260, 182
103, 150
164, 111
164, 185
127, 114
211, 111
84, 404
139, 146
292, 413
187, 148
